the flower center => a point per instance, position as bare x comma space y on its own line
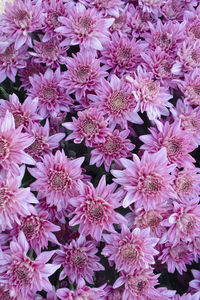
195, 30
4, 149
84, 25
195, 56
129, 253
59, 180
123, 55
187, 223
112, 146
173, 146
153, 219
83, 74
89, 128
150, 185
137, 284
20, 118
78, 258
196, 89
22, 273
36, 149
118, 102
5, 196
95, 212
7, 57
183, 184
22, 18
49, 95
31, 227
52, 19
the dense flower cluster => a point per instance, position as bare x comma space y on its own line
99, 149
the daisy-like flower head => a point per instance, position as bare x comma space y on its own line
14, 201
115, 100
151, 6
177, 142
83, 74
90, 126
52, 97
120, 23
85, 27
11, 60
173, 10
43, 144
21, 18
95, 209
107, 7
24, 114
130, 251
115, 147
139, 285
82, 292
23, 275
176, 257
78, 260
121, 54
56, 178
12, 145
147, 181
138, 20
190, 86
150, 95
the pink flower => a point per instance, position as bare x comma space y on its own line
90, 126
151, 6
173, 9
114, 294
115, 147
195, 283
95, 209
83, 74
85, 27
24, 114
115, 100
78, 260
130, 251
147, 181
12, 145
107, 8
52, 98
21, 18
138, 20
177, 142
22, 274
56, 178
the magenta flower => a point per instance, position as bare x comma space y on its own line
130, 251
23, 275
12, 145
15, 201
147, 181
115, 147
78, 260
95, 209
56, 178
115, 100
151, 6
52, 98
195, 283
107, 8
24, 114
190, 86
173, 9
21, 18
85, 27
90, 126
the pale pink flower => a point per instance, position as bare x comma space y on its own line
23, 275
12, 145
78, 260
24, 114
44, 143
107, 7
84, 73
90, 126
52, 97
56, 178
149, 95
20, 19
177, 257
130, 251
173, 10
178, 143
139, 285
95, 209
151, 6
146, 182
85, 27
82, 292
115, 100
120, 23
138, 20
115, 147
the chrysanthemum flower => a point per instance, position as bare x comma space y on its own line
177, 142
78, 260
95, 209
173, 9
115, 147
83, 74
151, 6
138, 20
23, 275
90, 126
139, 285
177, 257
115, 100
24, 114
107, 8
85, 27
21, 18
121, 54
43, 144
120, 23
11, 60
52, 97
147, 181
82, 292
130, 251
56, 178
113, 294
12, 145
149, 95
